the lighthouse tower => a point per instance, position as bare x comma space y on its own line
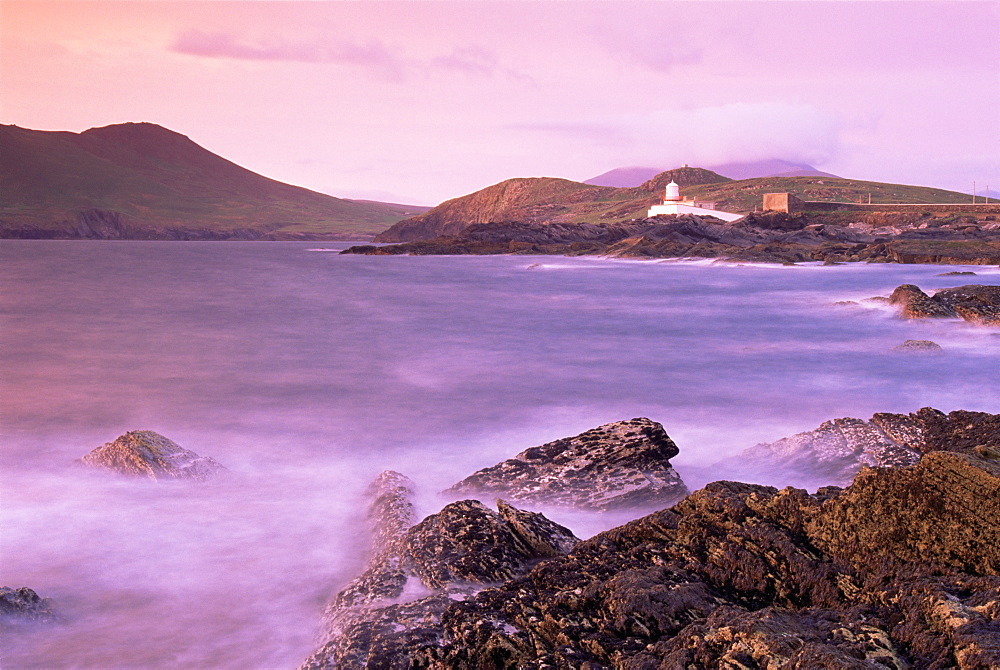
673, 203
673, 193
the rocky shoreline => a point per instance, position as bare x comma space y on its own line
772, 237
899, 569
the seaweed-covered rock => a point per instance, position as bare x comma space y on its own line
617, 465
143, 453
23, 605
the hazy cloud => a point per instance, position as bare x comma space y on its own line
706, 135
471, 60
371, 54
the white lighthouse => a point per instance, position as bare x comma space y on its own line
673, 203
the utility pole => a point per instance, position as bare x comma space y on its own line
973, 193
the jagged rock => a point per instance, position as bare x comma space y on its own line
837, 450
544, 537
143, 453
23, 605
617, 465
414, 576
919, 347
945, 510
955, 273
976, 303
897, 571
391, 513
915, 304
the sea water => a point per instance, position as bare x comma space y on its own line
306, 373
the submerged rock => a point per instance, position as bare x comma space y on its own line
919, 347
899, 570
23, 605
617, 465
415, 574
143, 453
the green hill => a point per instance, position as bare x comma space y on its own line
746, 194
143, 181
549, 200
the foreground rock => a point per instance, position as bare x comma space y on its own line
900, 570
415, 574
976, 303
143, 453
23, 605
836, 451
618, 465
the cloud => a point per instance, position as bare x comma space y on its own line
471, 60
708, 135
371, 54
745, 132
476, 61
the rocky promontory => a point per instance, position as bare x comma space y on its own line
899, 570
614, 466
143, 453
774, 237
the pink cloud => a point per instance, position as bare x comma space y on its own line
371, 54
471, 60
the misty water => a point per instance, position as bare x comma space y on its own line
306, 373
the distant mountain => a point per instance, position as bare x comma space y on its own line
769, 168
143, 181
624, 177
548, 200
634, 176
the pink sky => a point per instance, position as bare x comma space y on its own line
418, 102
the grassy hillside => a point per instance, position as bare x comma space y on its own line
156, 179
543, 199
746, 194
548, 200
